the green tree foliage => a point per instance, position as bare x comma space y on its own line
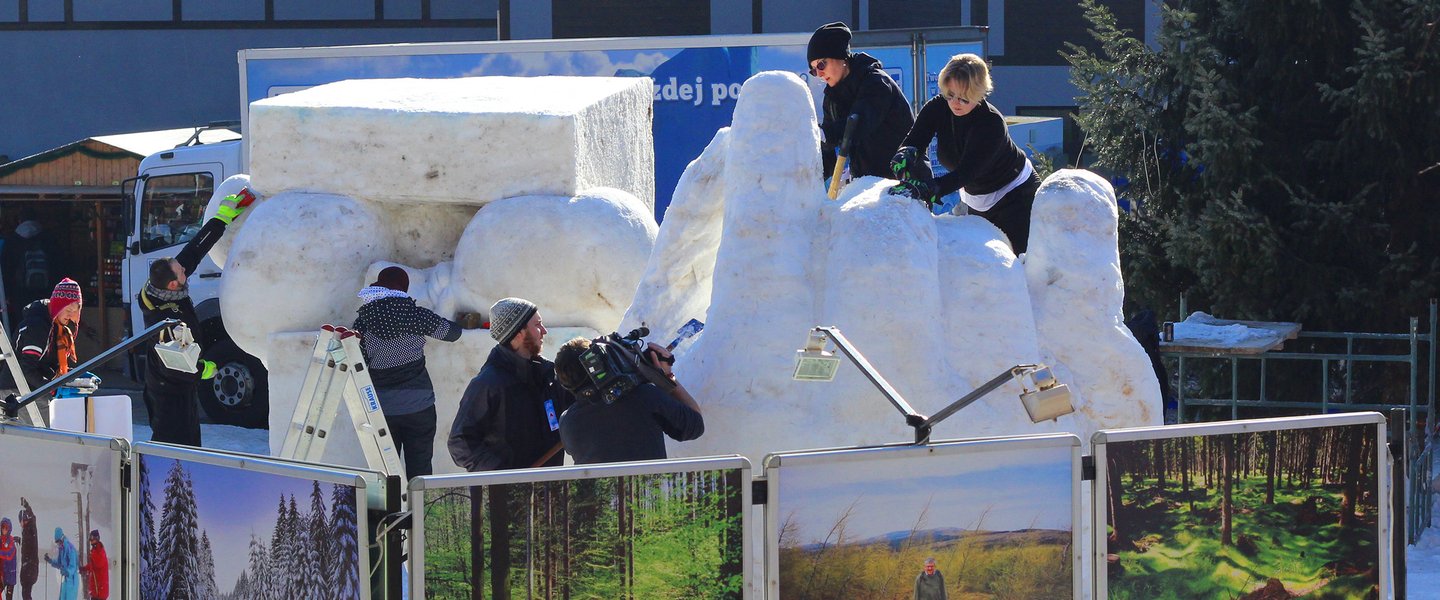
1286, 154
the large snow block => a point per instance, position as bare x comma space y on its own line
467, 141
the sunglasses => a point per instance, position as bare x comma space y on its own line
949, 97
819, 67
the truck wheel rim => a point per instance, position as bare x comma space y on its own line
233, 384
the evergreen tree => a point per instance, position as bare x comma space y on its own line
278, 580
149, 566
177, 547
258, 571
344, 574
207, 567
1284, 152
296, 551
313, 544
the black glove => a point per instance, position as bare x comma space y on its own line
924, 191
904, 163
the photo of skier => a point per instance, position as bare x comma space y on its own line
97, 570
67, 562
8, 557
66, 490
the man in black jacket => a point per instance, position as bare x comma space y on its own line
857, 84
632, 427
509, 417
392, 338
169, 393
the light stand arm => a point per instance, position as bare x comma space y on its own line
965, 401
13, 403
912, 418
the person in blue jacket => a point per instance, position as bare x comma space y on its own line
67, 561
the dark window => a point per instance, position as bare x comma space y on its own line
223, 10
1036, 30
900, 14
172, 208
627, 18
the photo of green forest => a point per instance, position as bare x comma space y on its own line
1262, 515
654, 537
998, 524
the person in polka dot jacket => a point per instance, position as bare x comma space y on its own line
392, 338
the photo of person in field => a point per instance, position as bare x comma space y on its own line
994, 523
1257, 515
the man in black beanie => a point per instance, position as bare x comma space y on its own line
856, 83
509, 416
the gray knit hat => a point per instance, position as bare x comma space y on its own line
508, 317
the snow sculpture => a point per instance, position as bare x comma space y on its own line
938, 304
479, 188
1076, 289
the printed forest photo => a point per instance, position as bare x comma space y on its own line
1255, 516
666, 536
216, 532
995, 524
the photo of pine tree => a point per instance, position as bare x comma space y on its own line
658, 537
1256, 515
995, 523
215, 532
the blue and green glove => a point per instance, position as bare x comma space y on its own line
916, 179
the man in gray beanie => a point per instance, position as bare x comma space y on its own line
509, 417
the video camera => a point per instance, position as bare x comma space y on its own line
617, 364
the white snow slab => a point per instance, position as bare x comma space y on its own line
451, 366
467, 140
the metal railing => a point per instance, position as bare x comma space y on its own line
1420, 446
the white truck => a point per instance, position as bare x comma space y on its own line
696, 81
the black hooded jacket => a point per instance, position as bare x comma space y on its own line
885, 117
502, 421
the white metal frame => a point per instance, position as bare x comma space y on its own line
776, 464
421, 485
1099, 441
363, 481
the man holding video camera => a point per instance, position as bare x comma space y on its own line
626, 422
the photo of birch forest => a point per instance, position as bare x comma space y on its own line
653, 537
1256, 516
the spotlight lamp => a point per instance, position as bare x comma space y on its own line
1044, 397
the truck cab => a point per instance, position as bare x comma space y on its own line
165, 207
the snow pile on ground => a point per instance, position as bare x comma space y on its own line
553, 206
1201, 327
938, 305
466, 140
222, 437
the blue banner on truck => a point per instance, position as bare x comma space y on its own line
695, 87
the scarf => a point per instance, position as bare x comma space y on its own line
64, 349
167, 295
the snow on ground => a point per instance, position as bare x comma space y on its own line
222, 437
1422, 560
1200, 326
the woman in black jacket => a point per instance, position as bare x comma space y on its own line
856, 84
995, 179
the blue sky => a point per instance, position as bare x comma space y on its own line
991, 490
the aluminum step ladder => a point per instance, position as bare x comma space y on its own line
12, 360
338, 374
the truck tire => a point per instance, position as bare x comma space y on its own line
239, 394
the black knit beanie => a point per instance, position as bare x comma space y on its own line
829, 41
